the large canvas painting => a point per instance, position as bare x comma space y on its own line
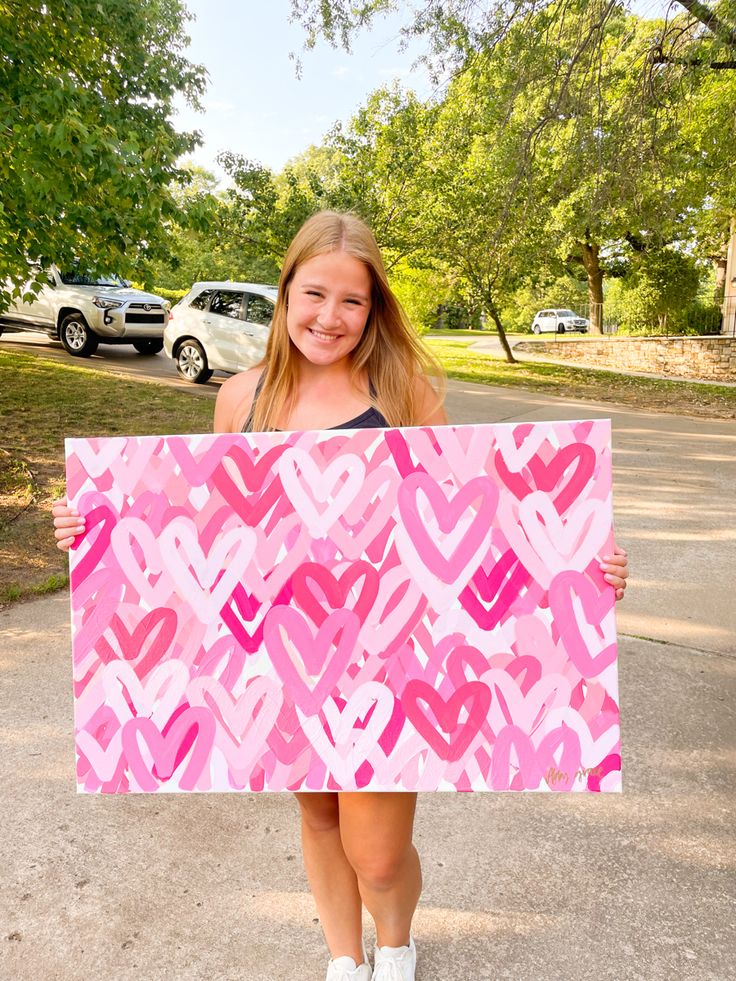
393, 610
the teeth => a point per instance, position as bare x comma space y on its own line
324, 337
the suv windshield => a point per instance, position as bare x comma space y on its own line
565, 313
79, 278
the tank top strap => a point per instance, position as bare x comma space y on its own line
248, 424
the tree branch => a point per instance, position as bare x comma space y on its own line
703, 13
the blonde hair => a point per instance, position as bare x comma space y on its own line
389, 350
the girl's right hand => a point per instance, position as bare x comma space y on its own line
68, 523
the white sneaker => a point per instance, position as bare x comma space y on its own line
395, 963
345, 969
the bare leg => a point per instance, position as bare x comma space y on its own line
331, 877
376, 831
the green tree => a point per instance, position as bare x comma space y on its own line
89, 151
652, 298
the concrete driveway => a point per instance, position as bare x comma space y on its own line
526, 887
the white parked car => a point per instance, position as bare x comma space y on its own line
559, 322
219, 327
83, 311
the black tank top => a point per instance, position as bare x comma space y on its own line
370, 419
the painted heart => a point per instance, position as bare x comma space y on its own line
351, 744
88, 551
198, 467
148, 642
243, 723
584, 618
157, 698
320, 495
499, 589
310, 666
398, 608
368, 515
191, 734
547, 543
205, 582
474, 698
441, 543
534, 764
315, 587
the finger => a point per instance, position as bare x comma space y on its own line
620, 593
65, 544
61, 503
616, 581
61, 533
619, 558
69, 521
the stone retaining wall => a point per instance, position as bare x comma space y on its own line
705, 358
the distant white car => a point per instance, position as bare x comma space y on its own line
559, 322
219, 327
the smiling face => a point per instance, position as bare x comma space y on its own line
329, 304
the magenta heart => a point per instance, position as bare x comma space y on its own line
335, 591
192, 727
158, 626
106, 518
257, 477
495, 588
474, 696
546, 476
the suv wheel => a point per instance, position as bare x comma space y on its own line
76, 336
149, 345
536, 329
191, 363
560, 328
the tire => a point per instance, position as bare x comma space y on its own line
560, 328
536, 329
78, 339
148, 345
191, 363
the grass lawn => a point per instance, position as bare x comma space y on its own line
42, 402
713, 401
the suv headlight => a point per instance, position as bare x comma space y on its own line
106, 304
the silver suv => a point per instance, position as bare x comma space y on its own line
83, 311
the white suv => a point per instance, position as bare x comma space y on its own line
559, 322
83, 311
219, 327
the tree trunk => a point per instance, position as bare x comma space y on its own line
491, 306
719, 266
591, 263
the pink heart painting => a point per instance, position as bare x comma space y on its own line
385, 610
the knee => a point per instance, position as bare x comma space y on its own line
319, 813
381, 869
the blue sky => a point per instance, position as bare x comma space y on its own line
255, 104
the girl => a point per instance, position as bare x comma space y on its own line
341, 354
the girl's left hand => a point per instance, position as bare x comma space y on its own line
616, 569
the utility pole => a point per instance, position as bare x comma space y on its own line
728, 324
